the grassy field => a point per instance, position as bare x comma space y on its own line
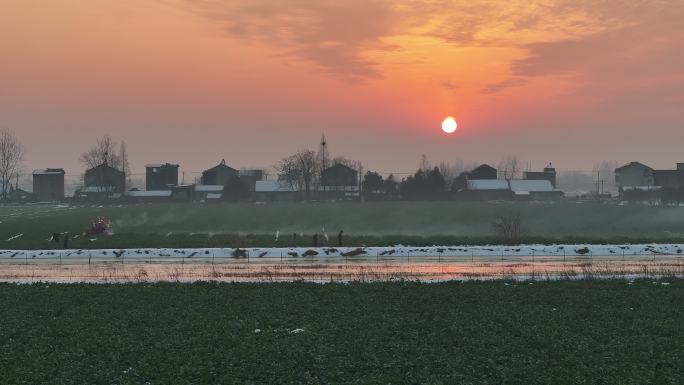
601, 332
374, 223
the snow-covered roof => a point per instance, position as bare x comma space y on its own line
633, 164
208, 188
159, 165
641, 188
140, 194
49, 171
272, 186
531, 185
487, 184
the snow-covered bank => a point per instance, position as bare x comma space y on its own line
359, 252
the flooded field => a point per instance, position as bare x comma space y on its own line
207, 267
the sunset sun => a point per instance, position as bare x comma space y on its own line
449, 125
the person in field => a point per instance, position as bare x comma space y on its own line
339, 238
315, 240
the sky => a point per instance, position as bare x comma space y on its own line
196, 81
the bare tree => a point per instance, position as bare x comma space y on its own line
605, 176
508, 227
509, 167
103, 152
12, 154
299, 171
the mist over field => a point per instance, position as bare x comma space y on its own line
597, 222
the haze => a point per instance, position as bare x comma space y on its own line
192, 82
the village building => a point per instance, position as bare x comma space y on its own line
218, 175
250, 177
549, 174
161, 176
481, 172
671, 184
48, 184
157, 196
486, 189
208, 193
339, 181
272, 190
18, 195
514, 189
636, 182
670, 179
102, 182
535, 190
634, 174
183, 193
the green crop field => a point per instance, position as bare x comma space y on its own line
591, 332
372, 223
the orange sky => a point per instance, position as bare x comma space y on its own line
192, 81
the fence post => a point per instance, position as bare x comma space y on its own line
533, 262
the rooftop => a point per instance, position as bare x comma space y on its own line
49, 171
531, 185
488, 184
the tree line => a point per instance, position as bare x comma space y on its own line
302, 171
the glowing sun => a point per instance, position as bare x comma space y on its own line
449, 125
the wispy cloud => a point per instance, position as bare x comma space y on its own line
594, 40
332, 34
449, 85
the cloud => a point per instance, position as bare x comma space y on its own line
332, 34
449, 85
508, 83
642, 48
597, 41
